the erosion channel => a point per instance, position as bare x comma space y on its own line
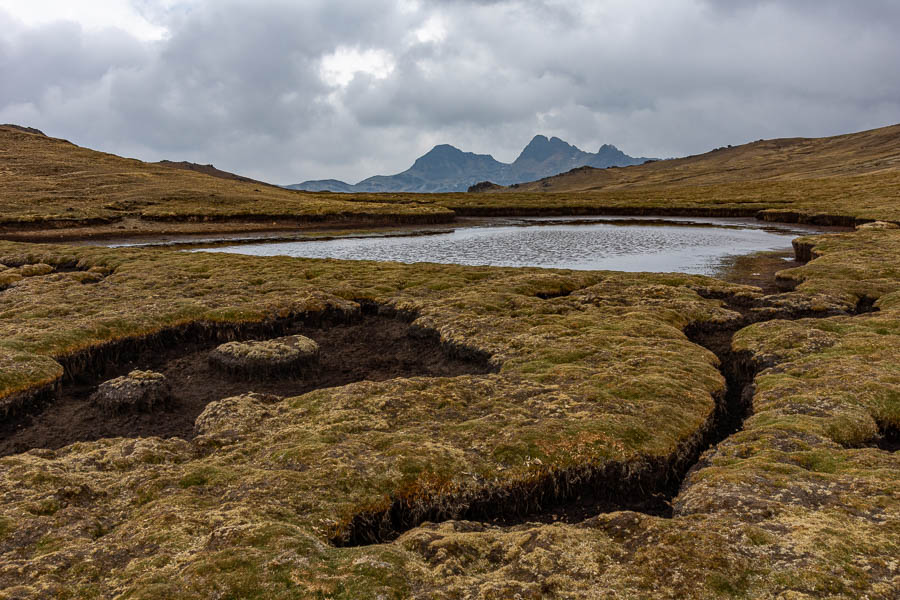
575, 496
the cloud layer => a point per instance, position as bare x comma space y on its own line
287, 91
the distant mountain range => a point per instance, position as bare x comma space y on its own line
448, 169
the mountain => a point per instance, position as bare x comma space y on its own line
448, 169
322, 185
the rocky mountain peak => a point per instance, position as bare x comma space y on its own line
446, 168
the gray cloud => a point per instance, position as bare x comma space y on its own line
239, 83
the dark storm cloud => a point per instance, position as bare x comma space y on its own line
244, 85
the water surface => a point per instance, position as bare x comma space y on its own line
693, 245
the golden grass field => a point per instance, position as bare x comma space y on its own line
562, 460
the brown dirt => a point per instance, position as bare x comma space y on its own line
375, 349
758, 269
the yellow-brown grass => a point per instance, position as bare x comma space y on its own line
46, 180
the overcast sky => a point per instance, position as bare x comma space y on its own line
310, 89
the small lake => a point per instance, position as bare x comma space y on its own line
686, 245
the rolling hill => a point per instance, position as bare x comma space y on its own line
873, 151
47, 182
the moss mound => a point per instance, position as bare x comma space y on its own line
293, 355
137, 391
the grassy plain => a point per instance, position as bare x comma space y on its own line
602, 379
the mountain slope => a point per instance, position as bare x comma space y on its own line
45, 181
873, 151
447, 169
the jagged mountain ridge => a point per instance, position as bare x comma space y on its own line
448, 169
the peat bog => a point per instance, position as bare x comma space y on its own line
370, 347
574, 497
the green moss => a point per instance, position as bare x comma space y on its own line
603, 374
201, 477
729, 586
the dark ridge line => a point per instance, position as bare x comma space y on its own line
431, 218
770, 215
557, 294
54, 223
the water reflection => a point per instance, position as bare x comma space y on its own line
688, 246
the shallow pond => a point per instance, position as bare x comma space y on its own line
686, 245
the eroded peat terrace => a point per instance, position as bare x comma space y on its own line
472, 431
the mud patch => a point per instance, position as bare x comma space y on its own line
866, 304
888, 438
759, 270
374, 348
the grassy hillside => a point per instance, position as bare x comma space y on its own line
46, 181
844, 179
867, 152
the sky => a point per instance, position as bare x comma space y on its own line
286, 91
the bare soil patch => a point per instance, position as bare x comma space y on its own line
376, 348
759, 269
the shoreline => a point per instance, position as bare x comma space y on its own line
191, 234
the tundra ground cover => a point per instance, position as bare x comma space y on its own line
592, 378
554, 450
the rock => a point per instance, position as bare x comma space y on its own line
137, 391
878, 225
294, 355
484, 186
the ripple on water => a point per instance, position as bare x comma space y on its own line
686, 248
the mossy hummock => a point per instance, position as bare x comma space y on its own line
137, 391
290, 356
